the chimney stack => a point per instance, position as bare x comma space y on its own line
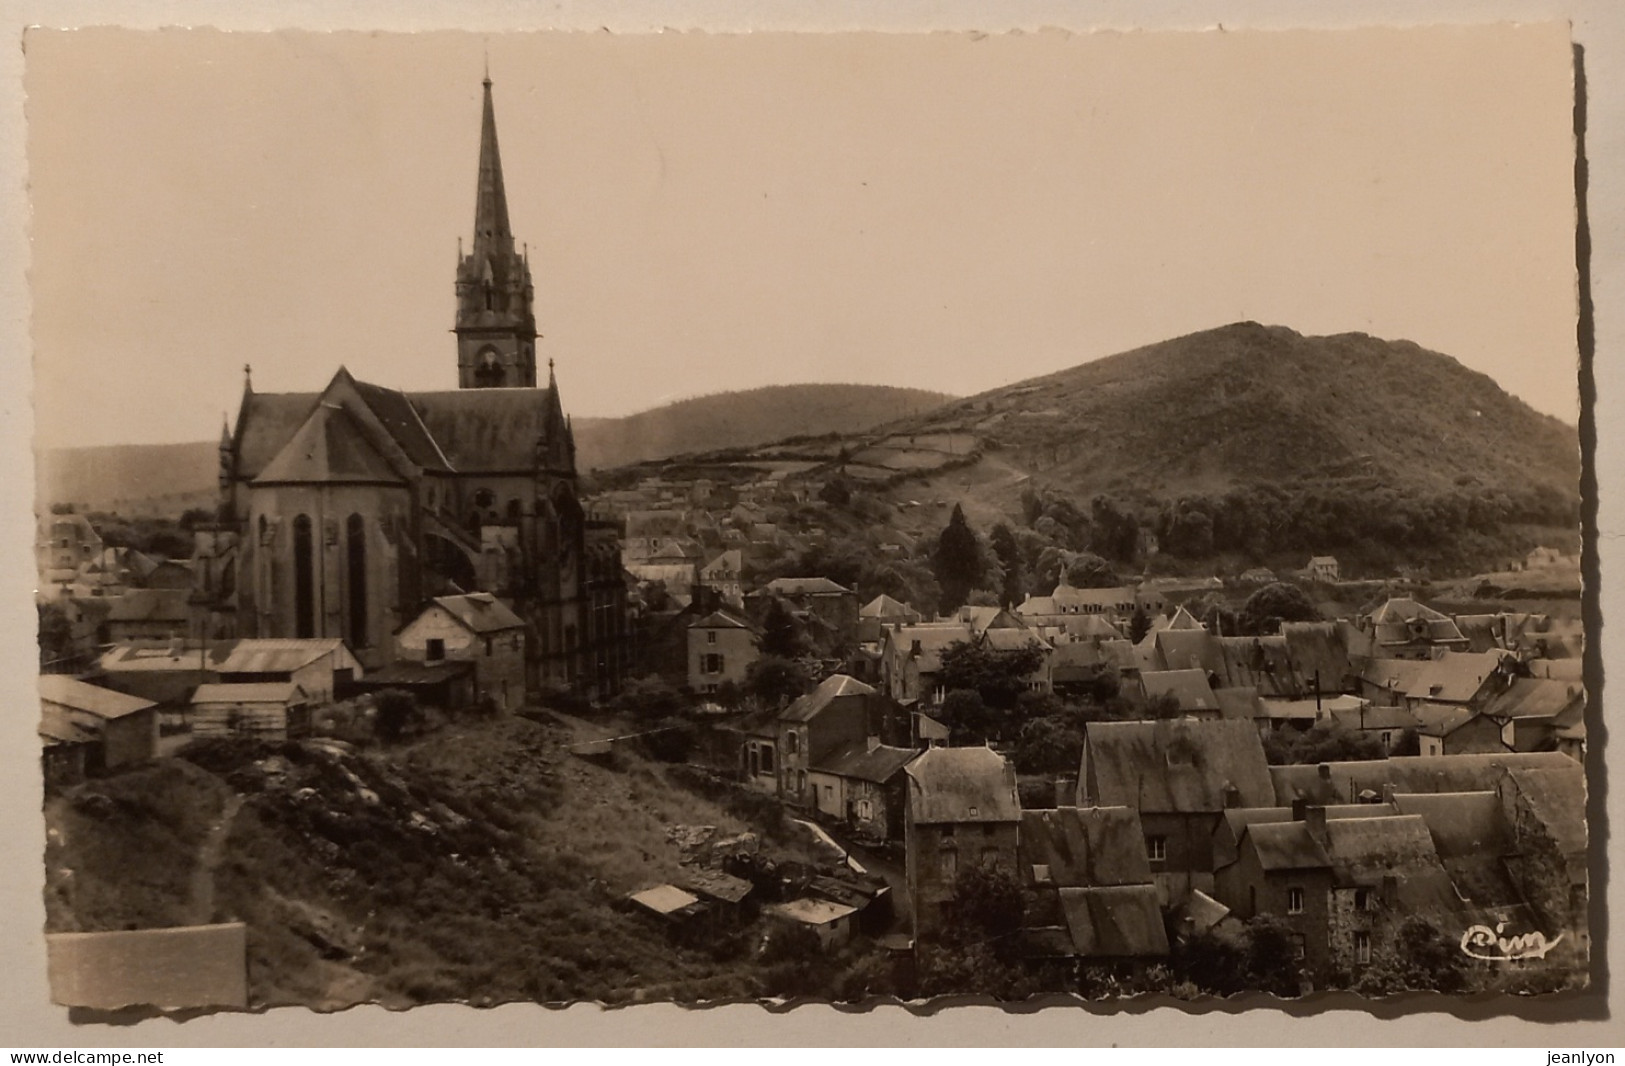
1314, 818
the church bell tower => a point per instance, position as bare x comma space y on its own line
496, 325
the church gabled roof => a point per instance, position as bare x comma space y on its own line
486, 430
329, 447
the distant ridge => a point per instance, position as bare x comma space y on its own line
169, 478
743, 419
1247, 403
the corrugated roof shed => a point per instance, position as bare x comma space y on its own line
278, 655
278, 692
952, 785
77, 695
1177, 766
1120, 922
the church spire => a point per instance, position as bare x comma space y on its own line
491, 232
496, 325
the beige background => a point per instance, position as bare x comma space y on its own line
25, 1016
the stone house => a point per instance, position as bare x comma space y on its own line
963, 811
838, 713
1180, 776
862, 787
1402, 628
1088, 885
474, 627
725, 576
721, 648
835, 604
911, 659
1282, 869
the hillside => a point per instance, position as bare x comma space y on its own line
743, 419
1237, 446
166, 479
130, 478
1245, 402
481, 863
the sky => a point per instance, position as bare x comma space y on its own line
703, 213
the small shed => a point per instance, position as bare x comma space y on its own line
125, 727
265, 710
832, 922
682, 914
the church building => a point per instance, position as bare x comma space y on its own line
344, 512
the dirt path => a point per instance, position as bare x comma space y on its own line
201, 911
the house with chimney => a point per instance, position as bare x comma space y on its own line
1402, 628
861, 787
963, 811
1180, 776
911, 660
840, 712
1088, 886
722, 646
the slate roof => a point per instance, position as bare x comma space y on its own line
857, 761
962, 785
1263, 664
1242, 703
484, 430
809, 706
1176, 766
1391, 623
1471, 835
933, 637
1374, 717
480, 612
1285, 845
1082, 847
1183, 620
1393, 675
1323, 647
1012, 639
1237, 820
1123, 921
1529, 697
1189, 687
1407, 773
1454, 677
884, 606
78, 695
805, 586
720, 619
1187, 649
1365, 850
1556, 795
329, 448
730, 561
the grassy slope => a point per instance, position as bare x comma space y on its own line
742, 419
481, 863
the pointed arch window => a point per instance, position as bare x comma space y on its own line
355, 545
304, 578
